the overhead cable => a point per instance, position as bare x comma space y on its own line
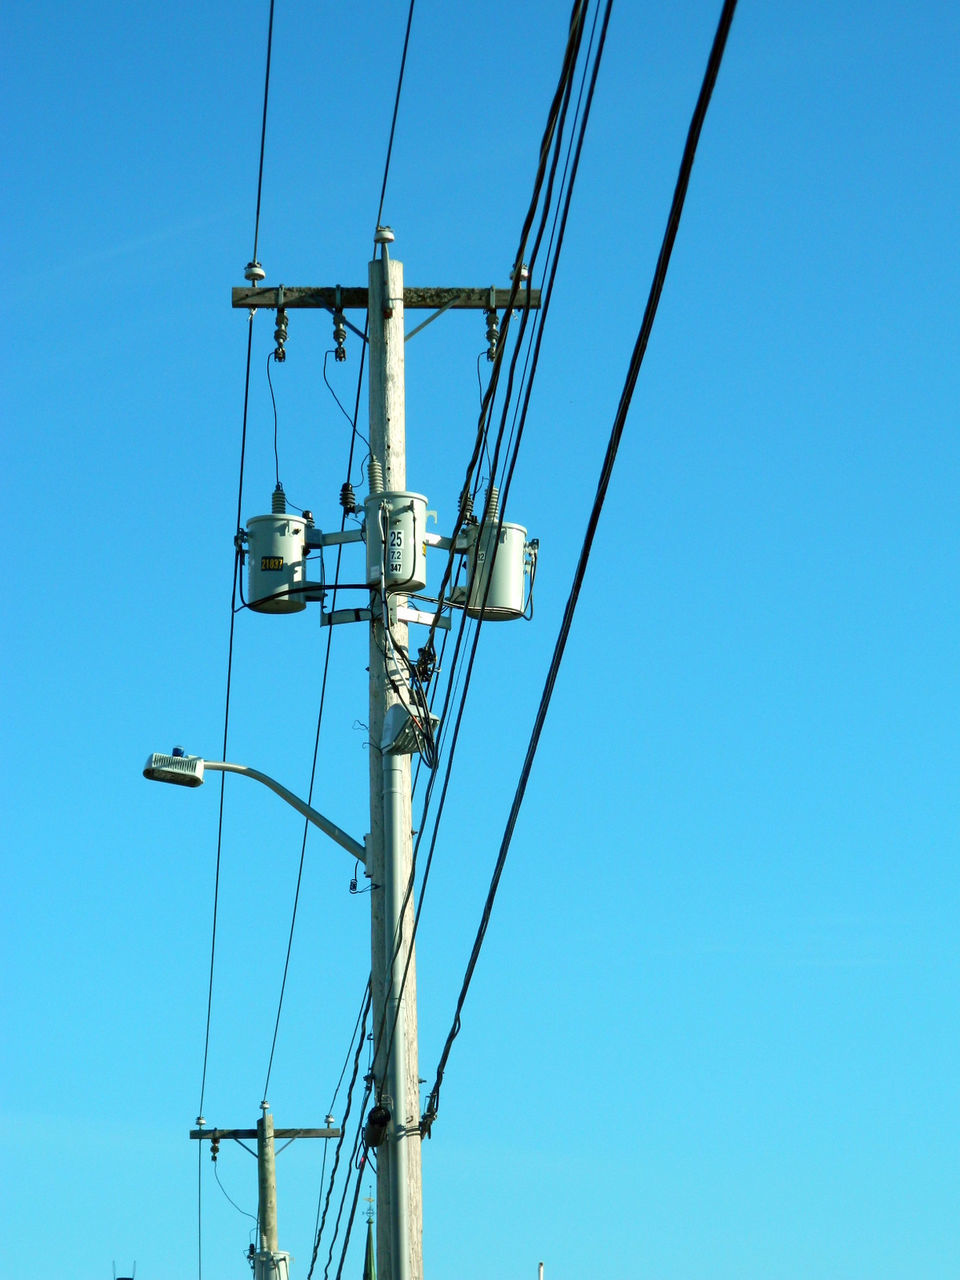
555, 130
343, 1129
666, 249
396, 107
263, 133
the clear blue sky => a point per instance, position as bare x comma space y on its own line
714, 1028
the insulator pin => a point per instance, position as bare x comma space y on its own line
254, 272
493, 333
280, 335
339, 336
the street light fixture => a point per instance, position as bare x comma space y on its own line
187, 771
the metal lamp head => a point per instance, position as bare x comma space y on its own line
185, 771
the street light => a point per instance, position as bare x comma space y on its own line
187, 771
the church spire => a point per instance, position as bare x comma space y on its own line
370, 1260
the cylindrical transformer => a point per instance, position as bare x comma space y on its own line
505, 600
276, 564
396, 550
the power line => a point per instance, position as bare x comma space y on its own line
263, 134
666, 249
316, 741
556, 132
396, 107
343, 1130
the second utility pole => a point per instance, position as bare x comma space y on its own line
396, 1066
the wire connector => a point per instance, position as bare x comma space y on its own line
280, 336
493, 333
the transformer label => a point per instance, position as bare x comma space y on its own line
395, 558
270, 563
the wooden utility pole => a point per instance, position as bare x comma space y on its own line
269, 1262
389, 845
396, 1067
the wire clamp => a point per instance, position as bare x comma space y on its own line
280, 332
339, 329
493, 326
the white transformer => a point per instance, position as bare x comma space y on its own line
503, 578
276, 563
396, 547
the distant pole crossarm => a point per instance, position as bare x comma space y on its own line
414, 299
188, 771
206, 1135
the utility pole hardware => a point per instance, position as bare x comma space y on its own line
270, 1262
500, 564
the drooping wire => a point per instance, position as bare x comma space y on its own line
226, 729
346, 1063
357, 1144
561, 95
351, 1217
353, 420
228, 1196
396, 107
263, 133
226, 719
273, 401
557, 135
343, 1129
666, 249
316, 741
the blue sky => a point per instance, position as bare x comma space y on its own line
714, 1027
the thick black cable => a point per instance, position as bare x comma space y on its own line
343, 1129
663, 260
557, 236
263, 133
571, 53
396, 108
357, 1144
350, 1219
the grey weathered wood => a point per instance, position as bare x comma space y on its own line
252, 1133
267, 1180
399, 1225
354, 299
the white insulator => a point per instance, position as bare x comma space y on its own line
375, 475
276, 564
279, 501
396, 550
492, 511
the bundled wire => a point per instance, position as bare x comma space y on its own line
343, 1129
640, 346
550, 152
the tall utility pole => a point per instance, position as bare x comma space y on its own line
396, 1067
388, 854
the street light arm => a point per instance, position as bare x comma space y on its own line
329, 828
